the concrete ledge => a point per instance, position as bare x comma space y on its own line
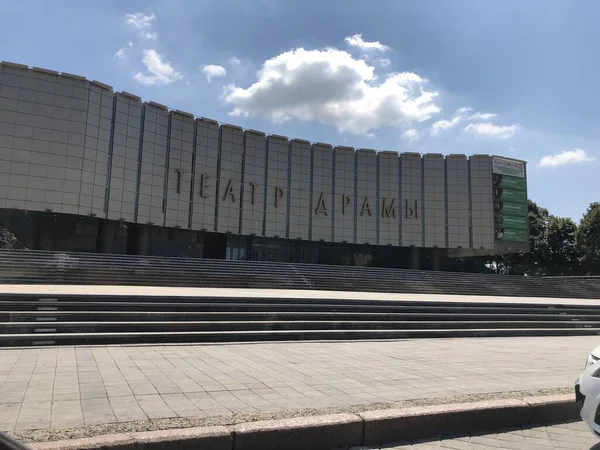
552, 408
110, 441
341, 430
302, 433
200, 438
407, 424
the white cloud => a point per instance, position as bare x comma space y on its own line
334, 88
411, 134
122, 52
234, 61
140, 20
463, 110
150, 35
357, 41
443, 125
483, 116
574, 156
488, 129
213, 71
161, 71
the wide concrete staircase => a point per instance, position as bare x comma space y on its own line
89, 319
40, 267
35, 320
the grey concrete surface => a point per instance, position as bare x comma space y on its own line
60, 289
59, 387
575, 436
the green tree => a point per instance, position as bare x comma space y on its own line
561, 251
533, 262
588, 240
8, 240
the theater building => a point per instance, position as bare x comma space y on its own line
84, 168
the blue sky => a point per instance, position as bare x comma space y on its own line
515, 78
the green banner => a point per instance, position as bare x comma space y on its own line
515, 223
511, 196
513, 183
514, 209
511, 235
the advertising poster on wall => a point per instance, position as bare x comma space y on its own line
510, 200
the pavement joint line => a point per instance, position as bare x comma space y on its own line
344, 430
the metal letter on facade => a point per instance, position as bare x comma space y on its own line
366, 207
253, 192
345, 202
412, 209
204, 185
278, 195
229, 192
321, 206
388, 211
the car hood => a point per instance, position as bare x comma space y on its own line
596, 352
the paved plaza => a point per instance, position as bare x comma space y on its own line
575, 436
62, 387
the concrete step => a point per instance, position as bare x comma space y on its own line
117, 303
82, 268
272, 335
280, 325
56, 314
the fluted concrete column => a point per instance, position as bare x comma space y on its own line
436, 259
107, 234
415, 256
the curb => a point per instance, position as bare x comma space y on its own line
342, 430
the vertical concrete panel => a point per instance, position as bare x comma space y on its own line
13, 188
412, 232
344, 195
482, 209
75, 142
255, 162
95, 145
43, 129
457, 181
300, 177
153, 164
205, 175
389, 209
181, 150
434, 215
5, 150
102, 160
230, 179
125, 161
322, 193
366, 197
276, 186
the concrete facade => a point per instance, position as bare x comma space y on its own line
73, 146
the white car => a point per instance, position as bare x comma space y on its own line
587, 391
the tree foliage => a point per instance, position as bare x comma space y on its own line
8, 240
588, 240
558, 246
